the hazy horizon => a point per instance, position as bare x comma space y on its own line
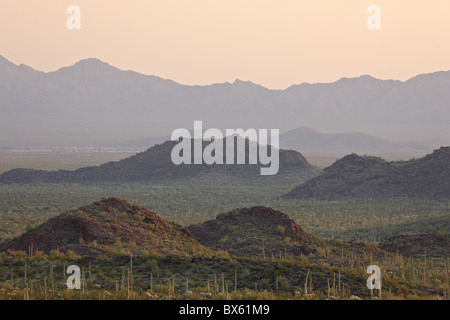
274, 44
53, 107
223, 82
201, 46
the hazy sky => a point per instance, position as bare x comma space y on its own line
273, 43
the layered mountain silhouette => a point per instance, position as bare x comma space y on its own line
361, 177
307, 140
93, 104
256, 231
156, 164
110, 226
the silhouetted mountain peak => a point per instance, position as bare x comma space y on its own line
91, 62
361, 78
241, 82
91, 67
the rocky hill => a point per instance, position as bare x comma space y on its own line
156, 164
108, 227
361, 177
256, 232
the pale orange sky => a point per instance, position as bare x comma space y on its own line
272, 43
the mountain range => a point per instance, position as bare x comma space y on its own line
92, 103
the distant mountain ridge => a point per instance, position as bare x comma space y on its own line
362, 177
93, 104
156, 164
307, 140
304, 139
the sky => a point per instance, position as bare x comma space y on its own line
200, 42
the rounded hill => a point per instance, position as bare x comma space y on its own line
111, 226
256, 231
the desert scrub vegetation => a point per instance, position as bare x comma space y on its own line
24, 206
197, 277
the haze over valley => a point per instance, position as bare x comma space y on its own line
94, 104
